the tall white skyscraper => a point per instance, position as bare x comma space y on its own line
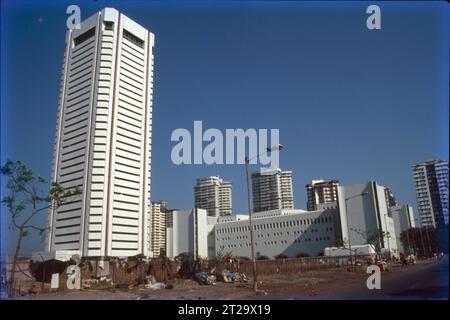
103, 138
214, 195
272, 189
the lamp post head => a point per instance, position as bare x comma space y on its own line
276, 147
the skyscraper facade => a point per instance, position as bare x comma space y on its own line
272, 189
320, 192
431, 180
158, 225
214, 195
103, 138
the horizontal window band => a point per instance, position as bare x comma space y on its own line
86, 112
75, 136
127, 180
79, 76
67, 234
67, 242
68, 211
80, 50
118, 211
73, 144
129, 152
65, 160
130, 97
133, 41
126, 233
72, 68
133, 48
127, 203
138, 73
128, 137
73, 165
69, 226
117, 215
140, 58
127, 130
139, 63
75, 123
87, 94
76, 104
72, 92
79, 56
125, 241
71, 180
76, 87
129, 159
80, 47
72, 151
127, 187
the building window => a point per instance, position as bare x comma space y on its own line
109, 25
133, 39
84, 36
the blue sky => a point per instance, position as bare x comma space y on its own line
351, 104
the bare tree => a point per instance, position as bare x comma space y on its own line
28, 196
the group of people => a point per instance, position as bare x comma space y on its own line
438, 256
407, 259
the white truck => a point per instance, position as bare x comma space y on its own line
341, 251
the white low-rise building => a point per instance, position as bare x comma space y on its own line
289, 232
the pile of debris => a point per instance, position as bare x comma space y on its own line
133, 272
231, 276
208, 272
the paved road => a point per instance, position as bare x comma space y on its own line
421, 281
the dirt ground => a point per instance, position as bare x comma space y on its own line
325, 284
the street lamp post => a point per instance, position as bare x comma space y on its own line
348, 229
387, 236
421, 237
277, 147
407, 237
413, 241
429, 243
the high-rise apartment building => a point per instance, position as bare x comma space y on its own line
103, 138
158, 225
431, 180
214, 195
272, 189
321, 192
